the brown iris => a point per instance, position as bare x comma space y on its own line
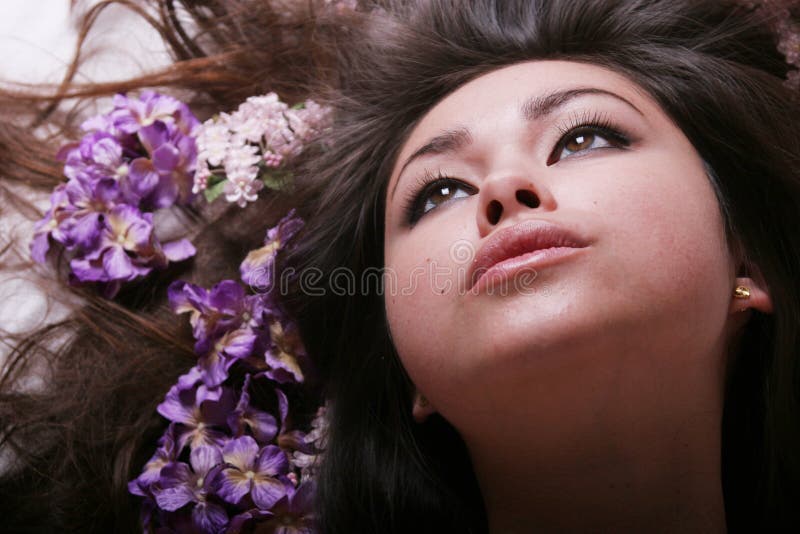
580, 142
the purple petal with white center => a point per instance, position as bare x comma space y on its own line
283, 367
233, 485
238, 344
184, 296
133, 226
173, 491
165, 454
286, 228
241, 453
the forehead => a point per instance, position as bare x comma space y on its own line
503, 92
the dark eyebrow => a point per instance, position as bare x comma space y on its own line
532, 109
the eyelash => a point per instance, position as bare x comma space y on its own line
596, 123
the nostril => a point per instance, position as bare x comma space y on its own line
493, 211
528, 198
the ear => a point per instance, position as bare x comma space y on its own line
421, 408
755, 295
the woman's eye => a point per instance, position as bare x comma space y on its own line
587, 138
433, 195
441, 194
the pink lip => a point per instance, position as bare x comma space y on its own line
531, 242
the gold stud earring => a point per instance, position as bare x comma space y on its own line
422, 401
741, 292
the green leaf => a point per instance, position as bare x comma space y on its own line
211, 193
214, 179
277, 180
299, 105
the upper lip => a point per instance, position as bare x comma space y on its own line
521, 238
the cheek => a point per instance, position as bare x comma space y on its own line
668, 228
425, 275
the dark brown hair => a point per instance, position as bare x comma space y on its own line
711, 65
714, 69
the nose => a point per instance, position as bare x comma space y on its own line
508, 197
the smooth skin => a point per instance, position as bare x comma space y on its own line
593, 400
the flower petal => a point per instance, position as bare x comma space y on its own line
233, 485
272, 461
178, 250
173, 491
267, 491
204, 458
209, 517
241, 452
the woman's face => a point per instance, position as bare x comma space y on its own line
634, 318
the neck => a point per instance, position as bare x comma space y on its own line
641, 483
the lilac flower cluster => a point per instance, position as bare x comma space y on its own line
135, 159
224, 463
242, 152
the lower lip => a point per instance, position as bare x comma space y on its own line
505, 269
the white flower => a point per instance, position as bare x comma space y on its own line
242, 174
212, 142
251, 129
242, 191
240, 157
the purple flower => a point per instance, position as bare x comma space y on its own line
201, 412
212, 312
172, 158
97, 155
132, 114
226, 324
257, 268
166, 453
284, 353
49, 224
217, 356
260, 473
262, 425
138, 157
122, 237
123, 247
180, 485
290, 440
291, 514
